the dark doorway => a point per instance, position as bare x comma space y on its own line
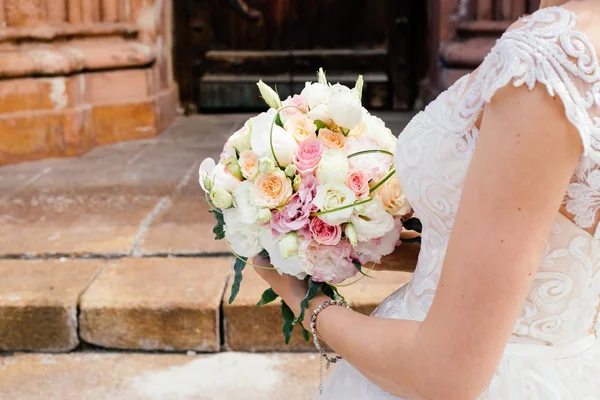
222, 48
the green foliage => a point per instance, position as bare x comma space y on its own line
288, 321
278, 120
267, 297
238, 267
313, 289
219, 229
320, 124
358, 266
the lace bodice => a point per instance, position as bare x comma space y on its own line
434, 152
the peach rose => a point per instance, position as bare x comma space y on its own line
248, 164
331, 139
393, 197
301, 127
273, 190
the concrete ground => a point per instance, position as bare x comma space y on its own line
114, 251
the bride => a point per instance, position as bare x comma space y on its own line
503, 170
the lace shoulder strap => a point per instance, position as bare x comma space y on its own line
545, 47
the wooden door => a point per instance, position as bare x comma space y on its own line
224, 47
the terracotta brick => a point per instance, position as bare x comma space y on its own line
115, 123
38, 303
251, 328
156, 304
117, 86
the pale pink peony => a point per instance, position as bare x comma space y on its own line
308, 156
357, 182
324, 233
296, 215
330, 264
373, 250
296, 101
375, 165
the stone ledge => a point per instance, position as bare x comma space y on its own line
169, 304
75, 57
38, 303
50, 32
251, 328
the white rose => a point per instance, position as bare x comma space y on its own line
243, 200
320, 113
333, 196
269, 95
376, 129
373, 222
221, 198
284, 144
240, 140
373, 250
345, 107
291, 265
333, 167
243, 238
315, 94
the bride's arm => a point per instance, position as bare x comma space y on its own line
524, 158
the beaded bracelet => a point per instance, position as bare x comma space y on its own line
313, 329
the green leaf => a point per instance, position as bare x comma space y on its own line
358, 266
238, 267
320, 124
288, 321
267, 297
219, 229
332, 292
278, 120
306, 334
412, 240
413, 224
313, 289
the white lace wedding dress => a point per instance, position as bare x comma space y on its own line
553, 353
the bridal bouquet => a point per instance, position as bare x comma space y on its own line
310, 184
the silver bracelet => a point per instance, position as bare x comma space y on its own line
313, 330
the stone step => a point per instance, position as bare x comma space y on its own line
131, 376
251, 328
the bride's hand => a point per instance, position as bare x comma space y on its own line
291, 289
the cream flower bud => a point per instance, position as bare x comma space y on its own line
233, 167
269, 95
296, 183
360, 82
221, 198
288, 245
266, 165
291, 170
351, 234
321, 76
264, 215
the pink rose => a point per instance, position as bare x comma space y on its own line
324, 233
296, 101
296, 214
357, 182
308, 156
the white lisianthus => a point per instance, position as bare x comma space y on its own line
321, 113
206, 174
331, 196
221, 198
288, 245
243, 238
284, 144
374, 222
269, 95
375, 128
333, 167
345, 107
243, 200
291, 265
351, 234
315, 94
290, 171
227, 153
223, 178
264, 215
